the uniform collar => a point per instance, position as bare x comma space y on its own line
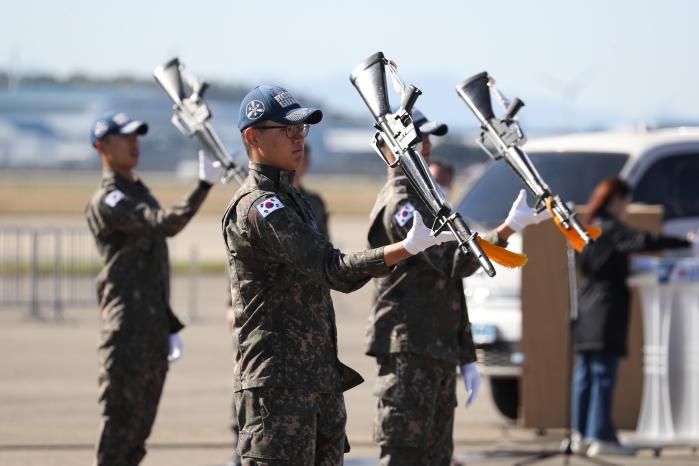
280, 178
112, 178
120, 182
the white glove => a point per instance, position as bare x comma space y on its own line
209, 172
176, 348
521, 215
420, 237
472, 381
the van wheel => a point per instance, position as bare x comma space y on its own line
505, 391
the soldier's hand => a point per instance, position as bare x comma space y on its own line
420, 237
209, 172
472, 381
176, 347
521, 215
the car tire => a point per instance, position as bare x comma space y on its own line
505, 391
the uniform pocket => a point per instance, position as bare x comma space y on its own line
274, 426
400, 426
254, 440
253, 412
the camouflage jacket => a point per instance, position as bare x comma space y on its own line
420, 307
130, 228
282, 269
319, 211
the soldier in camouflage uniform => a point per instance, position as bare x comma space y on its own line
321, 219
288, 381
138, 327
419, 329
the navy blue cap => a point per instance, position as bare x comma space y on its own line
428, 127
115, 123
276, 104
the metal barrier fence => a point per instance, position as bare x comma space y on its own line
53, 268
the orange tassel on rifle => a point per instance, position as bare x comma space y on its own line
502, 256
573, 237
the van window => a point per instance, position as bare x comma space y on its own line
674, 183
572, 175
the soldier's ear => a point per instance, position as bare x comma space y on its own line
102, 146
250, 136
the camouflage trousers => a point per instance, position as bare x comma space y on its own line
414, 420
129, 396
288, 426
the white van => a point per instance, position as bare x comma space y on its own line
661, 165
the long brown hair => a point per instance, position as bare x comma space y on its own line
604, 192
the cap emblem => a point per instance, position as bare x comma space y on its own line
254, 109
100, 128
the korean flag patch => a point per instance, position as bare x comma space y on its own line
404, 215
113, 198
268, 206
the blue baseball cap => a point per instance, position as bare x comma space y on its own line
116, 123
426, 126
276, 104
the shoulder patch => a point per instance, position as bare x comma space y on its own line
113, 198
268, 206
404, 215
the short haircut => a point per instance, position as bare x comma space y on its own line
247, 146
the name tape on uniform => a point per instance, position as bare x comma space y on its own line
113, 198
404, 215
268, 206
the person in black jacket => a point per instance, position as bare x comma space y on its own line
601, 328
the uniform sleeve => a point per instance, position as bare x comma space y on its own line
282, 234
140, 219
447, 259
630, 240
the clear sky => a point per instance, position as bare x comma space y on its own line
634, 58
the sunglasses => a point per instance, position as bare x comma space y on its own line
292, 131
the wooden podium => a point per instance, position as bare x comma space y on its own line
545, 393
